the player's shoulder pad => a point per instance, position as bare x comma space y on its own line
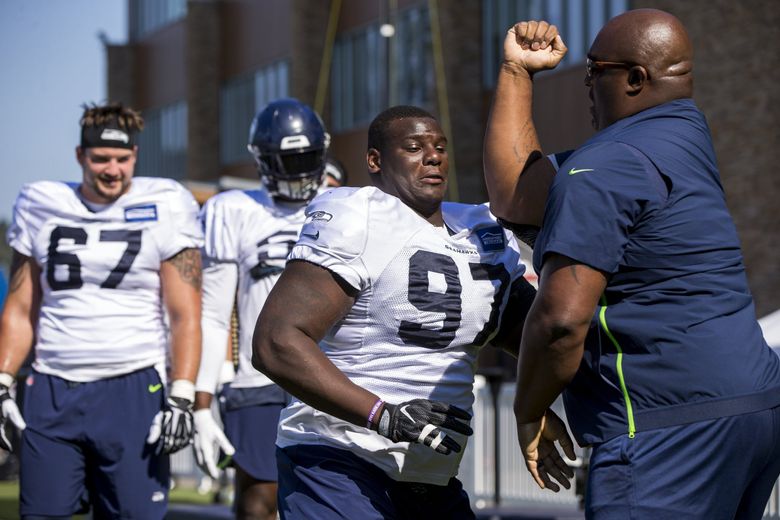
339, 220
237, 200
47, 194
461, 216
165, 191
479, 221
229, 211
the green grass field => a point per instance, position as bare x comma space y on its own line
9, 499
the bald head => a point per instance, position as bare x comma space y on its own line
658, 44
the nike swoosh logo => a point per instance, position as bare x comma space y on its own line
575, 171
403, 411
154, 388
313, 236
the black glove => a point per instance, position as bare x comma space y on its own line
417, 421
172, 426
8, 412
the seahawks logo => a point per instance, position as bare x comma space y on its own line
318, 215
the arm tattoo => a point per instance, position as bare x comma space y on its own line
187, 262
18, 269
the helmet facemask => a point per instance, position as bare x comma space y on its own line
293, 177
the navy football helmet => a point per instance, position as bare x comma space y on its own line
289, 141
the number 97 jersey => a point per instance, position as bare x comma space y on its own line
101, 313
428, 298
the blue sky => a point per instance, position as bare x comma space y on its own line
51, 61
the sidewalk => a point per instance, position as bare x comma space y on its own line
220, 512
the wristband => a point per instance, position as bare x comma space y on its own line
6, 379
183, 389
374, 409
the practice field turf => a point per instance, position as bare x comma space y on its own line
9, 499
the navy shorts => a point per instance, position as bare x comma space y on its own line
328, 483
723, 468
86, 442
250, 417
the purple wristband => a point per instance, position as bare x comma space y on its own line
373, 411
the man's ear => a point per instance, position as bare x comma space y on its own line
80, 155
637, 76
373, 160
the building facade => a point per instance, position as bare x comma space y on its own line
200, 69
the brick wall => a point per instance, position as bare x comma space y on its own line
737, 70
203, 81
120, 75
308, 27
463, 74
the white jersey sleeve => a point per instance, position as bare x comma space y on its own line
334, 235
219, 287
222, 219
22, 229
184, 231
220, 230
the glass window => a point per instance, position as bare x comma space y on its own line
357, 72
162, 145
149, 15
414, 59
578, 21
240, 99
368, 76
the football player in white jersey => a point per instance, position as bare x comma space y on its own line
374, 327
96, 266
248, 235
335, 173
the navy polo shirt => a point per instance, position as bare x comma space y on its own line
675, 338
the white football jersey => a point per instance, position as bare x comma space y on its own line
428, 299
249, 229
101, 312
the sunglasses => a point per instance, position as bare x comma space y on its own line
593, 66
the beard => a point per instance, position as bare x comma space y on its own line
108, 188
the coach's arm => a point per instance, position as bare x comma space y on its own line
550, 354
517, 174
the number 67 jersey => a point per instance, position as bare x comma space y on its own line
101, 312
428, 298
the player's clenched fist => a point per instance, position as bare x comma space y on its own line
533, 46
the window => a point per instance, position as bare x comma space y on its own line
162, 145
578, 22
413, 59
370, 73
149, 15
358, 73
240, 99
